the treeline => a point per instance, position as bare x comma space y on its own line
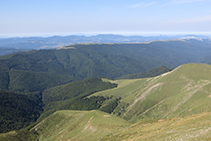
149, 73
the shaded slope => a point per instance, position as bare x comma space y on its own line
169, 53
38, 70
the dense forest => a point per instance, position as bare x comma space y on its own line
17, 111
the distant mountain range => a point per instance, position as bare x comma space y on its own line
9, 45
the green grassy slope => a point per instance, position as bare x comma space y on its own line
21, 135
96, 125
78, 125
181, 92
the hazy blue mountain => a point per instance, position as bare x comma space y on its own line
31, 43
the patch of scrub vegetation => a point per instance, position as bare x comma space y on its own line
74, 96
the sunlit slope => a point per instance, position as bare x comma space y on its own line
181, 92
192, 128
79, 125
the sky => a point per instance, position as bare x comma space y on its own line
127, 17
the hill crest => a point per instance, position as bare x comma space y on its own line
177, 93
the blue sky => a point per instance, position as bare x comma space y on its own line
65, 17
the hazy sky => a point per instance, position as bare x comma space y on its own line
62, 17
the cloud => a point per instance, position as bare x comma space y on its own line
178, 2
191, 20
143, 4
185, 1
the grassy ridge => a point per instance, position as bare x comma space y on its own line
78, 125
182, 92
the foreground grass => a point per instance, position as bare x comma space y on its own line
97, 125
196, 127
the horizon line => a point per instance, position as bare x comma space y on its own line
144, 34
